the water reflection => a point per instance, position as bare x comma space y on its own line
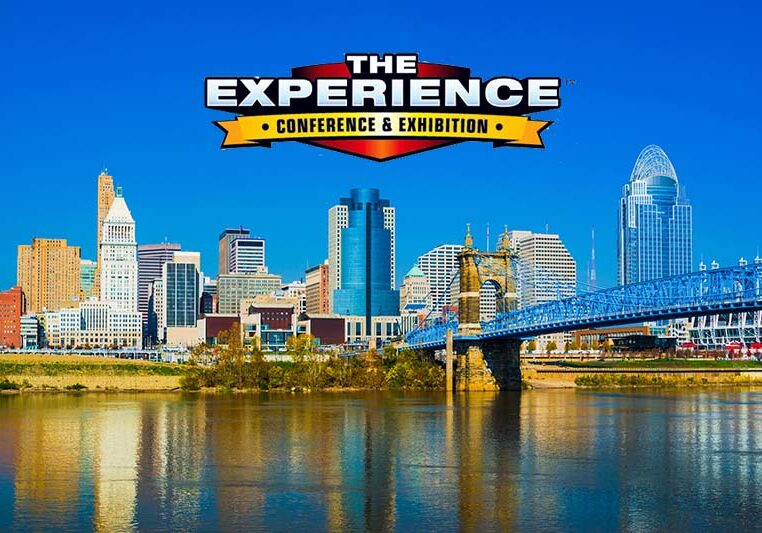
556, 460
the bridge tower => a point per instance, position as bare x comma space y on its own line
470, 284
485, 364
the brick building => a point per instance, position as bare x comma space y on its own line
11, 309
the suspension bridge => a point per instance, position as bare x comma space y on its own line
494, 344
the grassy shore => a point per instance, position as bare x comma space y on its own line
73, 373
372, 371
664, 373
692, 364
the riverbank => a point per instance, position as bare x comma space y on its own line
71, 373
57, 373
668, 373
41, 372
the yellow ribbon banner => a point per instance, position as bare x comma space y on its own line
500, 129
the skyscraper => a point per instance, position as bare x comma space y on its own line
545, 269
226, 239
247, 256
366, 265
105, 199
440, 266
338, 219
151, 257
48, 271
118, 252
655, 221
182, 289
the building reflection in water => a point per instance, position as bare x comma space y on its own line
380, 461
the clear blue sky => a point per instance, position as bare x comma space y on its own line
120, 84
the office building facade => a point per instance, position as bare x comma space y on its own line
247, 256
48, 272
545, 270
338, 220
182, 285
225, 241
316, 280
415, 288
366, 266
440, 266
106, 196
11, 309
87, 270
655, 234
93, 324
232, 288
119, 263
151, 259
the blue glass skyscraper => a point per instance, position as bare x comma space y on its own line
366, 258
655, 221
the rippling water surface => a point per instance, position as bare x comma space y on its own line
550, 460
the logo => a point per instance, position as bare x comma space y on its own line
382, 107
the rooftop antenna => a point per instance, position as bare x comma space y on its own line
547, 228
488, 236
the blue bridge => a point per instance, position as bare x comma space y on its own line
699, 293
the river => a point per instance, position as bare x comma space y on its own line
549, 460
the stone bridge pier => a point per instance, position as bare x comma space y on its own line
486, 365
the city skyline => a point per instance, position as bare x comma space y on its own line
178, 192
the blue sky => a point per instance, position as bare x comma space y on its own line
120, 85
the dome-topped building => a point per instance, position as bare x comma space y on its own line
655, 221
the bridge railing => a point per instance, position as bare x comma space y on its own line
433, 334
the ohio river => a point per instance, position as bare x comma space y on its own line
538, 460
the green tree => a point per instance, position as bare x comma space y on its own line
532, 346
300, 346
551, 346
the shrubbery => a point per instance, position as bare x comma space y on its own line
235, 369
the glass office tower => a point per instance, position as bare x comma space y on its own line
182, 297
366, 259
655, 221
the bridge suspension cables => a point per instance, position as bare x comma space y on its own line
723, 290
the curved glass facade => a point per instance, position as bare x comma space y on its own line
366, 259
655, 221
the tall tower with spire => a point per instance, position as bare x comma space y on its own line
118, 253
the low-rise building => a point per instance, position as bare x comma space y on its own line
382, 329
328, 330
270, 324
216, 324
93, 324
30, 332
